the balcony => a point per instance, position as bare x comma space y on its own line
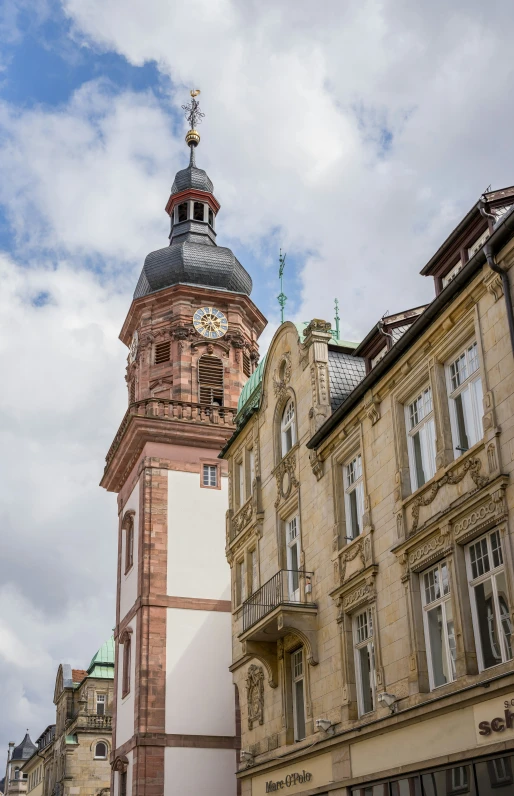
282, 605
99, 722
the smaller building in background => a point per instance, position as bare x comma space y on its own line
15, 779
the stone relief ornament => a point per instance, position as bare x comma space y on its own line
472, 466
242, 518
351, 555
317, 464
286, 478
282, 376
255, 695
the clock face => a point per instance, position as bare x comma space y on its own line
210, 322
133, 347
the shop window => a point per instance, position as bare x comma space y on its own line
162, 352
287, 427
298, 688
421, 438
495, 776
293, 558
450, 782
465, 396
438, 625
210, 475
101, 751
364, 661
210, 377
353, 497
198, 211
182, 212
100, 704
489, 600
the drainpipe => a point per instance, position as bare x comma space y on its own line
491, 262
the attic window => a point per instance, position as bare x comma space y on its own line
182, 212
478, 244
381, 354
211, 217
162, 352
210, 377
198, 211
246, 364
452, 273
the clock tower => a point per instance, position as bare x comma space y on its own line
191, 333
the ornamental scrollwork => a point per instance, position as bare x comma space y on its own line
286, 478
472, 466
283, 378
255, 695
351, 555
242, 518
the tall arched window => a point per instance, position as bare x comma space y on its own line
210, 378
128, 529
101, 751
288, 427
126, 640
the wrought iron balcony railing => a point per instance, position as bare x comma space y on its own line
287, 587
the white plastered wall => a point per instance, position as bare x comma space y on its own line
199, 771
125, 707
128, 582
197, 566
200, 695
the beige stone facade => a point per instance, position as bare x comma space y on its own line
388, 613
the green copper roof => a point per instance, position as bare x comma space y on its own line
102, 664
343, 343
252, 388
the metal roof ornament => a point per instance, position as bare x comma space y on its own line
336, 319
281, 298
194, 116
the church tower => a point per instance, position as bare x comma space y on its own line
191, 333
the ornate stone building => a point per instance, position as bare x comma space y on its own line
369, 535
191, 332
76, 750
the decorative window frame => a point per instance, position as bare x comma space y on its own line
481, 510
128, 528
358, 593
285, 395
245, 522
212, 462
125, 638
286, 646
94, 745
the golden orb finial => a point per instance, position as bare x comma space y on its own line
194, 116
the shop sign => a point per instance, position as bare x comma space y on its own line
494, 720
290, 780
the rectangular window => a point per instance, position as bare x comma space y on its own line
254, 576
293, 558
198, 211
100, 704
438, 625
465, 396
162, 352
210, 475
298, 683
127, 662
478, 244
353, 497
364, 661
489, 600
251, 470
421, 438
182, 212
211, 217
240, 582
376, 359
239, 484
452, 273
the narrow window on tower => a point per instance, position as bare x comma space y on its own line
198, 211
132, 391
125, 680
162, 352
210, 377
210, 475
211, 218
182, 212
246, 364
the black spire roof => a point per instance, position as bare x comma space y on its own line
193, 258
24, 750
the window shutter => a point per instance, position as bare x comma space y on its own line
162, 352
210, 378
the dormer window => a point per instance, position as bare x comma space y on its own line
198, 212
478, 244
182, 212
452, 273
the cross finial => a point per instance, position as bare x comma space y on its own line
281, 298
194, 116
336, 318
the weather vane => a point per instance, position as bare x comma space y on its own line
336, 318
194, 116
282, 298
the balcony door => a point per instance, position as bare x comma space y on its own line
293, 558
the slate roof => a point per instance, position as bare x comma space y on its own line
24, 750
189, 262
345, 372
192, 177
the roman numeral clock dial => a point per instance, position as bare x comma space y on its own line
210, 323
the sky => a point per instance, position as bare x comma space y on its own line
353, 135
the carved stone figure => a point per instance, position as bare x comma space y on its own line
255, 695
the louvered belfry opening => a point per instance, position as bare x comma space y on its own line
246, 364
162, 352
132, 395
210, 378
